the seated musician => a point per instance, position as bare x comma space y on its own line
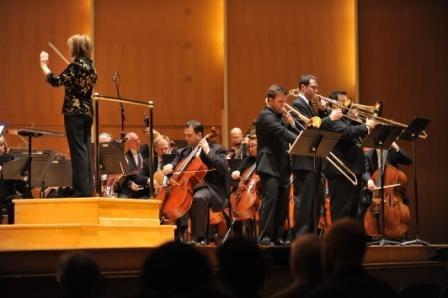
3, 145
249, 160
238, 149
393, 156
162, 145
213, 191
129, 188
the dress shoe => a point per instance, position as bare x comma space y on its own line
265, 242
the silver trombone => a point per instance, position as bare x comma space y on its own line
332, 158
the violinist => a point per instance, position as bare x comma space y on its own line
302, 166
213, 190
239, 144
344, 195
274, 129
393, 156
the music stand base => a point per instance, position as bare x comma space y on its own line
384, 242
417, 241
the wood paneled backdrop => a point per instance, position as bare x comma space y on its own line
214, 60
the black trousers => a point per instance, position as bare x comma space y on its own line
78, 131
274, 206
305, 191
344, 197
203, 199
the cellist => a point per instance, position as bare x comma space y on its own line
393, 156
213, 191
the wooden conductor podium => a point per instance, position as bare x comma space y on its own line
81, 223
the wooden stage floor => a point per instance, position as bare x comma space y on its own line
31, 273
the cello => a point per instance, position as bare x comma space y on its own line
245, 201
177, 196
396, 213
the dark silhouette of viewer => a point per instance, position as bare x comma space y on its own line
242, 267
305, 265
343, 249
175, 269
79, 275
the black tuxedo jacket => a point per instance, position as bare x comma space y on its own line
349, 147
272, 148
218, 180
305, 162
394, 158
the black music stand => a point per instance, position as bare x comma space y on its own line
381, 137
59, 174
411, 133
315, 143
39, 161
112, 160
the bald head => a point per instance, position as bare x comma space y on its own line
236, 136
305, 258
133, 140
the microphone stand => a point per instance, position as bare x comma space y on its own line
116, 79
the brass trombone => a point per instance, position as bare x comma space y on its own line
332, 158
365, 112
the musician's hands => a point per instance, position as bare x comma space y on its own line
236, 175
167, 169
288, 119
335, 114
44, 62
134, 187
370, 124
395, 146
371, 185
204, 145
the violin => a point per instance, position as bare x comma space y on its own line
177, 195
245, 201
396, 213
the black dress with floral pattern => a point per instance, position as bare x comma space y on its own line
78, 79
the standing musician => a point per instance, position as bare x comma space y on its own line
302, 166
344, 196
273, 129
238, 149
78, 79
213, 191
393, 156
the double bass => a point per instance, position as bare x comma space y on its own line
396, 213
177, 196
245, 201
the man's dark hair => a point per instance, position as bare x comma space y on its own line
274, 90
196, 125
305, 79
334, 94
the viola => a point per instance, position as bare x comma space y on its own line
396, 213
177, 195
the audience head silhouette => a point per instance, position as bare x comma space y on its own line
79, 275
175, 269
241, 267
305, 258
344, 245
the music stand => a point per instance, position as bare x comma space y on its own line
2, 128
381, 137
59, 173
411, 133
112, 160
39, 161
315, 143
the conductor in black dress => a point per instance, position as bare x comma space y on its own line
78, 80
274, 129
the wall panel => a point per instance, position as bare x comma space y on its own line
402, 60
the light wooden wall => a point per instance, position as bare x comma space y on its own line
402, 60
168, 51
27, 27
278, 41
